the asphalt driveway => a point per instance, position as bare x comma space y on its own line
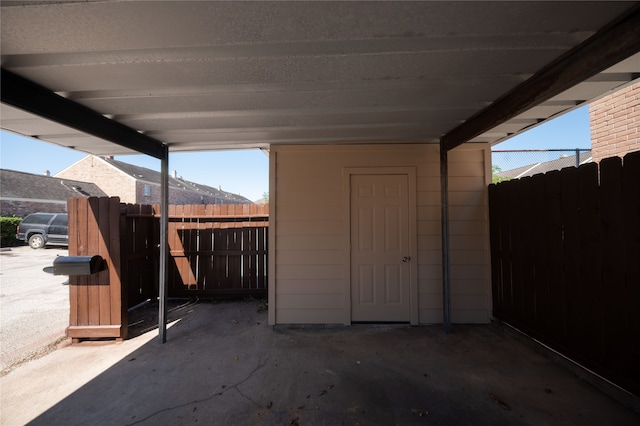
34, 305
224, 365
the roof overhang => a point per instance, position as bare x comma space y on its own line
122, 77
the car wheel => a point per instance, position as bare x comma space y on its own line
36, 241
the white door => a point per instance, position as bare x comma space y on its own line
380, 272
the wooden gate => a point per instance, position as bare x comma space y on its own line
140, 253
218, 250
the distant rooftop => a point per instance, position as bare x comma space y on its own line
17, 184
152, 176
546, 166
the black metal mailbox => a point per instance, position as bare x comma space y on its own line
78, 265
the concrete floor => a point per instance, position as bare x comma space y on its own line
223, 365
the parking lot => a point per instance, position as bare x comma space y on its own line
34, 309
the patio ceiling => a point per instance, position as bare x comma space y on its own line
232, 75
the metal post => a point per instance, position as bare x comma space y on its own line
164, 252
577, 157
446, 273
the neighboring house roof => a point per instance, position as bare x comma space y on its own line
544, 167
29, 186
152, 176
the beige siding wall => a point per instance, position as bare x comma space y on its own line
310, 270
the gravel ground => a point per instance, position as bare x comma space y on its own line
34, 305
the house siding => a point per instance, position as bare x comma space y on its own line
615, 123
311, 277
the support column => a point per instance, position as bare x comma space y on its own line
446, 271
164, 247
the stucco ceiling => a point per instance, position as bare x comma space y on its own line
220, 75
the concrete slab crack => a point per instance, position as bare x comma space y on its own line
261, 364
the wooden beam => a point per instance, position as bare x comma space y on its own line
607, 47
31, 97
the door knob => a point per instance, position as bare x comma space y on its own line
406, 258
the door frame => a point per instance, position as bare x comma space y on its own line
410, 172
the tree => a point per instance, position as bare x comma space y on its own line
494, 175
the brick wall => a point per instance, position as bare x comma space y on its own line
615, 123
23, 208
131, 191
113, 182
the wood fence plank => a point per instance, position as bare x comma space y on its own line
119, 303
505, 191
527, 214
222, 262
571, 251
104, 243
495, 249
557, 296
592, 333
235, 243
613, 261
540, 271
246, 259
82, 250
72, 208
517, 249
93, 245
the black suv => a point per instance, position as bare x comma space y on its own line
40, 229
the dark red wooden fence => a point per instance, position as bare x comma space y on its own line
215, 250
565, 260
139, 230
218, 250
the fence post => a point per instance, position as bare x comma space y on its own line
446, 271
164, 252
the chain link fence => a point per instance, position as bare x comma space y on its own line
514, 164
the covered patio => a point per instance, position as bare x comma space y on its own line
345, 97
122, 77
252, 375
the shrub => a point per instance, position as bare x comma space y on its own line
494, 175
8, 225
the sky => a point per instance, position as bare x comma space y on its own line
246, 172
570, 131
